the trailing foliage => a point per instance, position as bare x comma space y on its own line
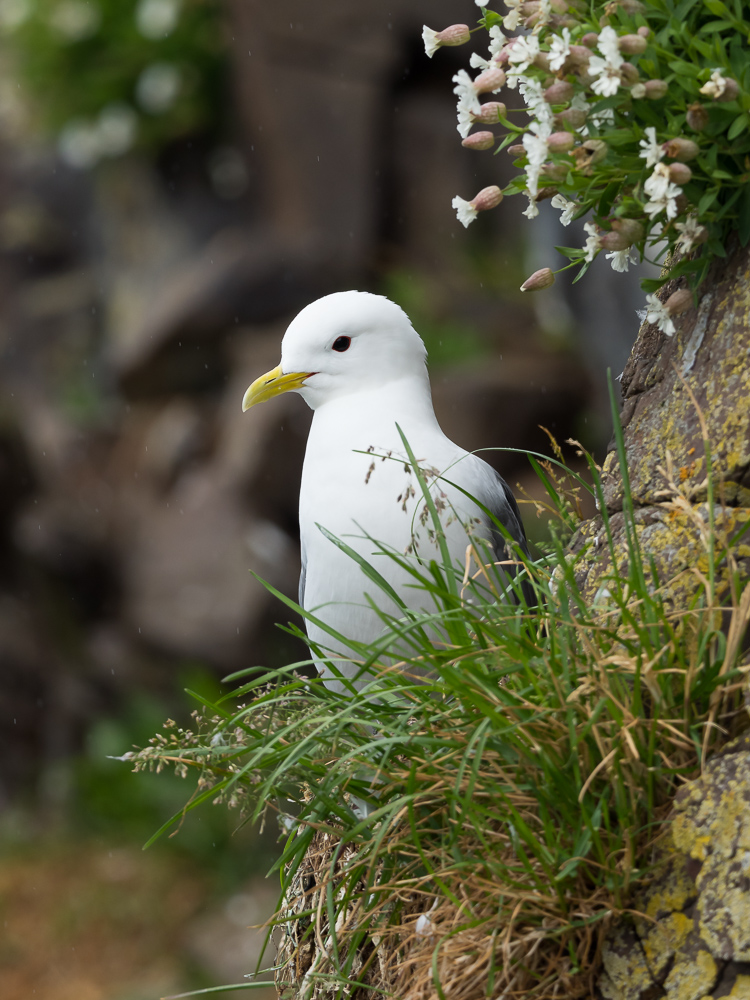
637, 114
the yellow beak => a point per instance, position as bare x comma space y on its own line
272, 384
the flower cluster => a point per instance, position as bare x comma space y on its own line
632, 115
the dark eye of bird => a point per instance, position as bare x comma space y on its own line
341, 344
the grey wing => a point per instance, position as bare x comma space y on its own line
502, 505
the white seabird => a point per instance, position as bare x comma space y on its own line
357, 361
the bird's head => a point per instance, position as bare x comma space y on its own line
344, 343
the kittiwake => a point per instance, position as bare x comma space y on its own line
358, 362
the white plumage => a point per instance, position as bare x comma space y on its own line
357, 361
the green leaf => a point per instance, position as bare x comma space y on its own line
650, 285
572, 253
707, 201
740, 122
689, 69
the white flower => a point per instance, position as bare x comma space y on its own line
465, 211
431, 40
716, 85
651, 150
604, 116
75, 20
523, 53
622, 259
532, 211
691, 233
512, 20
533, 96
157, 18
478, 62
465, 91
609, 46
662, 193
535, 144
559, 50
657, 313
607, 79
158, 87
606, 70
497, 40
568, 208
593, 242
465, 119
545, 13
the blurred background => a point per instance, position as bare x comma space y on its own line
177, 179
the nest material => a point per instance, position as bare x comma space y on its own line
398, 948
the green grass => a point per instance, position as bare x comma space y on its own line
516, 791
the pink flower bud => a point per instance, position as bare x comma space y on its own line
656, 89
592, 151
681, 149
517, 150
697, 117
575, 117
456, 34
632, 45
644, 31
679, 302
614, 241
630, 230
680, 173
555, 171
489, 81
538, 280
559, 93
504, 55
490, 113
489, 197
578, 57
560, 142
731, 90
629, 74
479, 140
590, 40
541, 61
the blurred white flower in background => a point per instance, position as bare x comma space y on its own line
157, 18
75, 20
78, 144
83, 143
117, 129
13, 13
158, 87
